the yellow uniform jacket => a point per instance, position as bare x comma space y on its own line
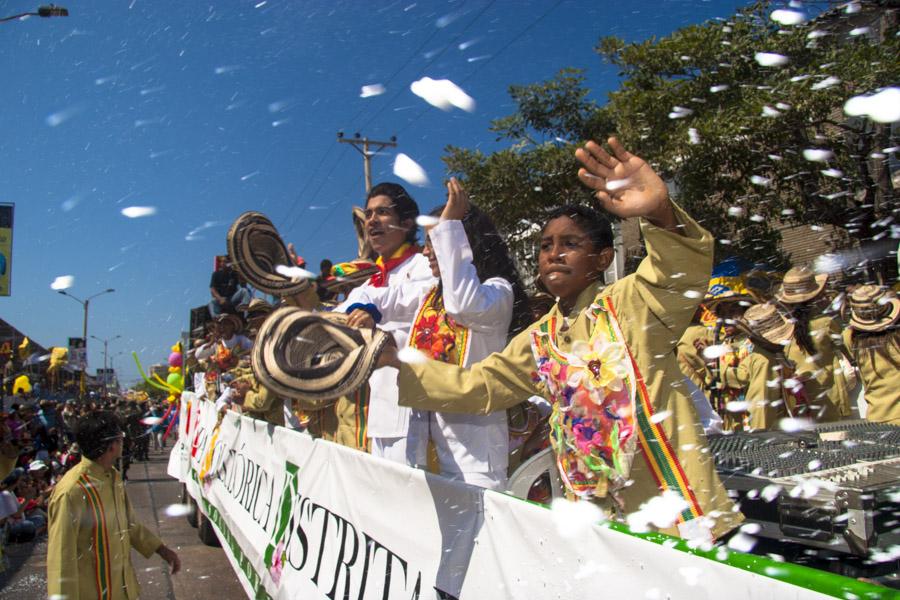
654, 306
92, 531
880, 373
824, 390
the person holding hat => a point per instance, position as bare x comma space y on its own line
767, 334
92, 524
460, 316
622, 428
873, 339
390, 228
815, 345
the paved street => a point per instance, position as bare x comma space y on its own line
205, 574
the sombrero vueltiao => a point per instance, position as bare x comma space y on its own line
314, 358
764, 321
873, 308
800, 284
256, 249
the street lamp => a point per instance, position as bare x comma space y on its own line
105, 355
85, 304
42, 11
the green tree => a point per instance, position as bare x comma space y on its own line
728, 132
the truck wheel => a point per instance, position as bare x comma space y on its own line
205, 531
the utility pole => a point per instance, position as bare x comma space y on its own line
363, 146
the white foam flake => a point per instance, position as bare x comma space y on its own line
443, 94
427, 221
741, 542
751, 528
719, 88
617, 184
760, 180
825, 83
693, 294
136, 212
61, 116
770, 492
178, 510
794, 424
411, 356
769, 112
735, 211
368, 91
771, 59
409, 171
881, 107
660, 416
817, 154
573, 518
860, 31
63, 282
788, 17
736, 406
835, 173
828, 263
693, 136
716, 351
852, 8
888, 554
757, 218
816, 34
294, 272
150, 421
660, 512
680, 112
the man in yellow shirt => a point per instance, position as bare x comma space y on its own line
92, 525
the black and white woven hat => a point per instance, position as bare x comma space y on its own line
314, 358
255, 250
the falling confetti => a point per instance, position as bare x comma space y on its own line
178, 510
718, 88
795, 424
825, 83
571, 518
760, 180
60, 117
817, 154
768, 111
150, 421
63, 282
443, 94
427, 221
136, 212
660, 511
368, 91
409, 170
294, 272
411, 356
735, 211
881, 107
680, 112
617, 184
836, 173
693, 136
788, 17
716, 351
770, 59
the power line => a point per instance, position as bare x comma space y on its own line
429, 62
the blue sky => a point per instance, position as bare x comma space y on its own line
206, 110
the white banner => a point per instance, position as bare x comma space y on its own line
303, 518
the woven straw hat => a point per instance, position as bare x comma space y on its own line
873, 308
800, 284
254, 307
314, 358
256, 249
232, 319
766, 322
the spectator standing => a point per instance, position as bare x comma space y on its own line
92, 524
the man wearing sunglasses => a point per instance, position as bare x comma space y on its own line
92, 524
